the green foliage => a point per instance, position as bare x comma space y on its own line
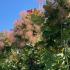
37, 19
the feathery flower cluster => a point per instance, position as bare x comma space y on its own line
25, 27
1, 45
24, 32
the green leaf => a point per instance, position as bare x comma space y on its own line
37, 19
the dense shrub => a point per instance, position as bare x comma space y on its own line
40, 40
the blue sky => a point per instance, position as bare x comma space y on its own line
10, 9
